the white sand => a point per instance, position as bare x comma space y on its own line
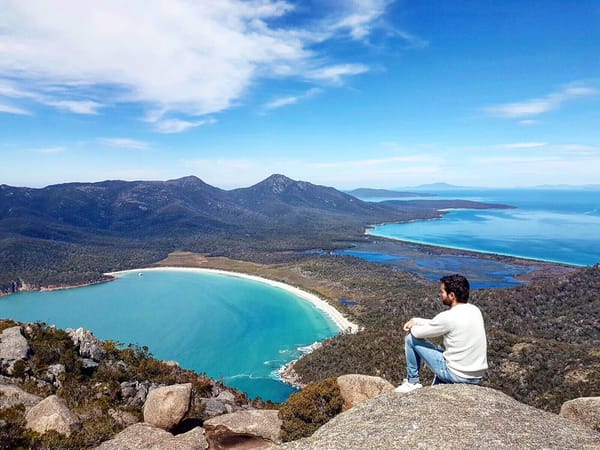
340, 321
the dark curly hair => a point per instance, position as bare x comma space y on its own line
457, 284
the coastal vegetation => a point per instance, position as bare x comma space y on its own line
306, 411
105, 393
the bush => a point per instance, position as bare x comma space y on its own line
309, 409
12, 425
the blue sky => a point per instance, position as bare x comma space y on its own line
373, 93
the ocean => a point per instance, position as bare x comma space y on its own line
236, 330
558, 225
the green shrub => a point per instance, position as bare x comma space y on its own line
307, 410
12, 425
19, 368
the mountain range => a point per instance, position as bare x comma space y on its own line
72, 233
181, 206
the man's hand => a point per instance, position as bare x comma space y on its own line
408, 325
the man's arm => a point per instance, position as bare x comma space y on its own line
427, 328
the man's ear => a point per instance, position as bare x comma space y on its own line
452, 296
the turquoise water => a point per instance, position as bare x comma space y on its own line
547, 224
237, 330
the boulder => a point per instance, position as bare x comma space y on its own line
13, 347
214, 407
585, 410
166, 406
52, 413
246, 429
145, 436
11, 395
226, 397
88, 345
357, 389
448, 416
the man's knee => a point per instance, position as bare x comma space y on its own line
408, 340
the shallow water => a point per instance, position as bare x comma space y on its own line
550, 225
237, 330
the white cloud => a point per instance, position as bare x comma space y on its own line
9, 109
283, 101
78, 107
124, 143
528, 122
522, 145
335, 73
49, 150
544, 104
192, 58
292, 99
168, 126
8, 89
360, 16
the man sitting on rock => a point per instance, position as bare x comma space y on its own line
464, 359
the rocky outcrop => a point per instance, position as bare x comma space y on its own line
585, 410
88, 345
166, 406
253, 429
357, 389
145, 436
52, 413
11, 395
53, 374
13, 348
447, 417
135, 392
223, 403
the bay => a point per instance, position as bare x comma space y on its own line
559, 225
233, 329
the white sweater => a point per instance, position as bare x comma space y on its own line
464, 338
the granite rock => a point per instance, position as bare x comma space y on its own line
357, 389
53, 374
88, 345
11, 395
585, 410
145, 436
13, 347
166, 406
250, 429
214, 407
453, 416
52, 413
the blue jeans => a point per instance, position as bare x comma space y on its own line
418, 350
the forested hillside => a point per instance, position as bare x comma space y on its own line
71, 233
543, 338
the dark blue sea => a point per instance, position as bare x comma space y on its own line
558, 225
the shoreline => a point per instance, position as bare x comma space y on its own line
285, 373
341, 322
475, 251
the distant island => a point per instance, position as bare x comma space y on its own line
446, 204
385, 193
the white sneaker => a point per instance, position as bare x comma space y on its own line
407, 387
